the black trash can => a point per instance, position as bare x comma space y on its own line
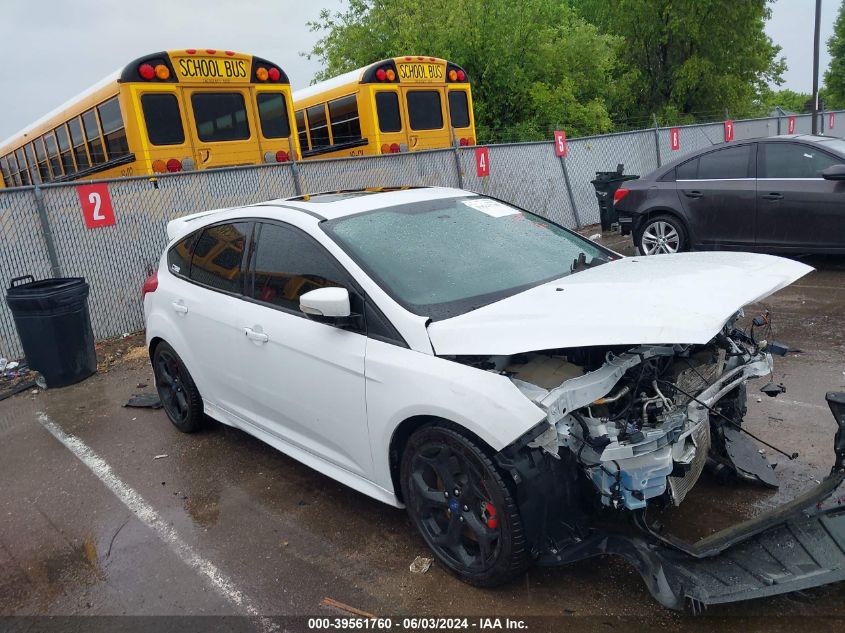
606, 184
54, 326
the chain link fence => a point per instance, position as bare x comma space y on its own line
44, 234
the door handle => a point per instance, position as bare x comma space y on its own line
693, 194
179, 308
204, 154
258, 337
773, 196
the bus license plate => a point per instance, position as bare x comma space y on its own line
420, 72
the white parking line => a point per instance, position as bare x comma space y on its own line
149, 517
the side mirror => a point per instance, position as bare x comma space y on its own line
834, 172
326, 303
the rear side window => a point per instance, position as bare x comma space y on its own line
273, 113
343, 113
387, 107
424, 111
288, 264
458, 108
220, 116
92, 134
687, 171
113, 132
217, 256
793, 160
163, 119
725, 163
179, 255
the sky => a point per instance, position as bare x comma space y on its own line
55, 49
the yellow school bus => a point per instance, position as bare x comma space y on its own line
166, 112
395, 105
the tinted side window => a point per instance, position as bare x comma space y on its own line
725, 163
458, 108
289, 264
424, 112
112, 123
687, 170
343, 114
273, 112
217, 256
793, 160
387, 107
162, 119
92, 133
78, 141
220, 116
179, 256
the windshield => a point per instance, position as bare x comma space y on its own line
441, 258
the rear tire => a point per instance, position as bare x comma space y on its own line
179, 395
662, 234
462, 507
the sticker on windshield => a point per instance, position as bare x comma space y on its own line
492, 208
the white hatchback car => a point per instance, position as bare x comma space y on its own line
505, 379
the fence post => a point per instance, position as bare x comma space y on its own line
297, 183
569, 193
656, 139
47, 233
458, 169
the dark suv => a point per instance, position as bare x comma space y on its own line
783, 193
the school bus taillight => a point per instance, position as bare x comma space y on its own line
146, 71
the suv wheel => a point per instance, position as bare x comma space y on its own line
179, 395
662, 234
459, 502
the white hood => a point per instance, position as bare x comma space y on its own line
684, 298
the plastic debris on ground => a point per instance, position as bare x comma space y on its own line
420, 565
144, 401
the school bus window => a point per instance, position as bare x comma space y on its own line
303, 132
78, 142
162, 119
318, 126
53, 155
22, 166
33, 168
273, 114
343, 114
4, 170
92, 135
41, 157
424, 111
13, 170
387, 107
64, 149
458, 108
220, 116
113, 131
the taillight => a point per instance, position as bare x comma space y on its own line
381, 75
464, 142
162, 72
281, 156
150, 284
385, 148
159, 166
261, 73
461, 75
620, 193
274, 74
394, 148
146, 71
174, 165
453, 75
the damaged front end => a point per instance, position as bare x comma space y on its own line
630, 429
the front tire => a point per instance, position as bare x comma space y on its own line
462, 507
176, 389
662, 234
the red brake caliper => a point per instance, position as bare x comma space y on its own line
489, 515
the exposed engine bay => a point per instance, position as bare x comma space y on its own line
642, 422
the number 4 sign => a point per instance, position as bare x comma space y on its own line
96, 205
482, 162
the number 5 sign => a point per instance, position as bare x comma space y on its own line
482, 162
560, 143
96, 205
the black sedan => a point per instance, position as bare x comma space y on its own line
779, 194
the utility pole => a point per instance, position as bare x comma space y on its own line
816, 67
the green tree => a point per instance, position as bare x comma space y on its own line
787, 99
690, 59
834, 76
534, 65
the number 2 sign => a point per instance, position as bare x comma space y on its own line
96, 205
482, 162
